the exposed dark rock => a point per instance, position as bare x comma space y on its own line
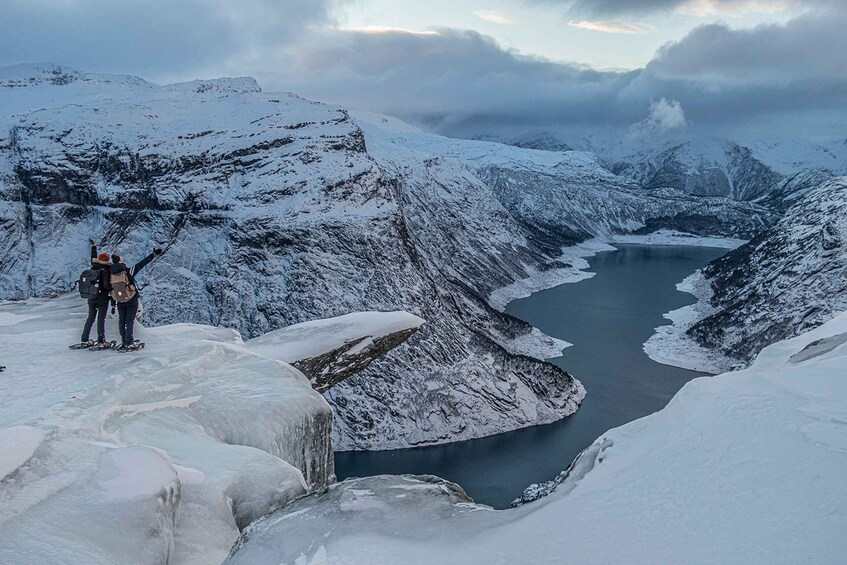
329, 369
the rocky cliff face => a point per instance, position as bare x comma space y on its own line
789, 279
276, 210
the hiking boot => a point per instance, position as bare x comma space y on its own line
122, 348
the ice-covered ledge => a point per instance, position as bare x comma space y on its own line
158, 456
330, 350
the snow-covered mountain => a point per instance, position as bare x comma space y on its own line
764, 171
277, 210
745, 467
277, 215
561, 198
789, 279
707, 167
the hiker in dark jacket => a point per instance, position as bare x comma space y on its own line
126, 296
98, 307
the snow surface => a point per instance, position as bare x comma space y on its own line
156, 456
310, 339
671, 237
17, 444
541, 280
746, 467
672, 346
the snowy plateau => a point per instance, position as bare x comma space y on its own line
337, 280
165, 456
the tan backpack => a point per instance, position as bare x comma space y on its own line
122, 288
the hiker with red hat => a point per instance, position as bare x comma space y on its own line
98, 299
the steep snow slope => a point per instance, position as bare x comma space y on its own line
156, 456
746, 467
790, 278
276, 214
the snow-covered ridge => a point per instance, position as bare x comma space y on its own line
159, 456
789, 279
563, 198
745, 467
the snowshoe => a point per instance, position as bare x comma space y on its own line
83, 345
104, 345
134, 346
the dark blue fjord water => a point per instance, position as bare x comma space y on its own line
607, 318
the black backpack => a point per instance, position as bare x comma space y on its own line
89, 284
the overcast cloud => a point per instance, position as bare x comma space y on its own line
641, 8
153, 38
773, 79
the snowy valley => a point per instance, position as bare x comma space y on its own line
276, 210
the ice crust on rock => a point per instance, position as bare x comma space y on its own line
310, 339
745, 467
330, 351
159, 456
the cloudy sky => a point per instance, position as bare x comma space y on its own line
734, 67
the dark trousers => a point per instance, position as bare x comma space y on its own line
126, 319
97, 308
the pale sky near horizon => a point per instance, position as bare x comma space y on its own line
534, 29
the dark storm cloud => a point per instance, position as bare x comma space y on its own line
810, 47
149, 37
451, 75
770, 78
790, 78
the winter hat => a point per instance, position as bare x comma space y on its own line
103, 257
117, 258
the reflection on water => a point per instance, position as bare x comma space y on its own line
607, 318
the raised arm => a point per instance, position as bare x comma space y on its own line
93, 248
144, 262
